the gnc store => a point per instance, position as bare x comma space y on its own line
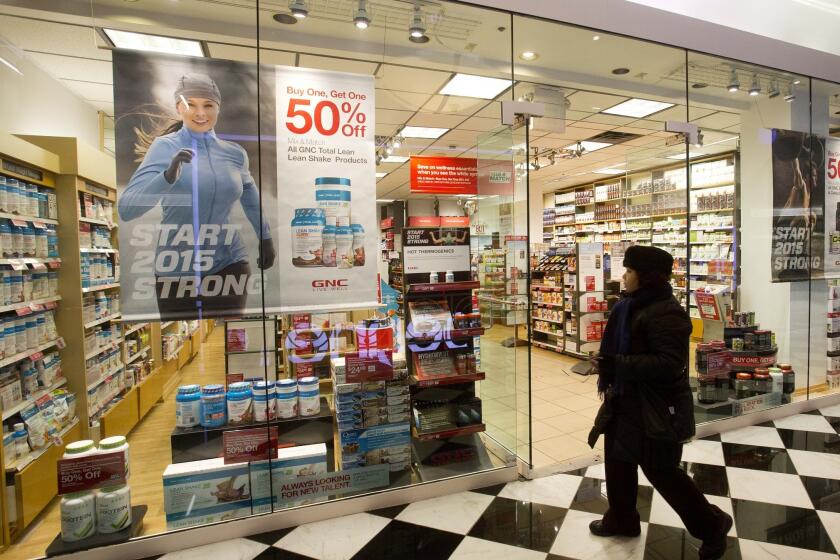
269, 263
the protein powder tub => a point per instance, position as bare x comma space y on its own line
188, 406
307, 236
264, 398
344, 243
286, 402
240, 404
113, 509
332, 194
328, 254
113, 444
213, 408
309, 397
78, 509
358, 244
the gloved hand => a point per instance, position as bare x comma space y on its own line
267, 254
606, 362
172, 173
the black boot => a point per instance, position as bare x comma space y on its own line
714, 547
598, 529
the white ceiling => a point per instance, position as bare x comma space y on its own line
60, 37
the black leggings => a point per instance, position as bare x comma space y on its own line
700, 518
172, 307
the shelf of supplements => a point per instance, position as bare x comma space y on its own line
446, 379
33, 219
94, 221
11, 411
535, 318
727, 183
100, 288
91, 324
134, 328
555, 347
110, 346
97, 250
142, 352
25, 304
113, 371
33, 456
448, 433
549, 333
31, 261
15, 358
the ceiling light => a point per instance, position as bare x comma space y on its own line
397, 141
423, 132
285, 19
389, 148
361, 19
596, 37
609, 171
536, 165
417, 28
588, 145
378, 158
380, 174
620, 71
394, 159
790, 96
637, 108
529, 55
153, 43
796, 82
385, 200
755, 87
774, 89
481, 87
734, 84
10, 65
691, 155
699, 85
299, 9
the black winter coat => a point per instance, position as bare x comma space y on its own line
655, 413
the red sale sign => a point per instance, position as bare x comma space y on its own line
373, 365
254, 444
88, 473
443, 175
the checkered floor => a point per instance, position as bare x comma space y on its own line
780, 481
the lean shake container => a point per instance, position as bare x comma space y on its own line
344, 243
213, 406
309, 396
240, 403
307, 237
188, 406
264, 398
286, 398
332, 194
328, 254
358, 243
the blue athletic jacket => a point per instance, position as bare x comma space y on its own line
203, 195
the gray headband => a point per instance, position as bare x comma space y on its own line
197, 85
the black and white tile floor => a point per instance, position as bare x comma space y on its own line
780, 481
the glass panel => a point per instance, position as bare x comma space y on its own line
604, 126
753, 125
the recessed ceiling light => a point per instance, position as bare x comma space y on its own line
285, 19
620, 71
529, 55
153, 43
469, 85
385, 200
609, 171
637, 108
422, 39
394, 159
380, 174
10, 65
699, 85
588, 146
691, 155
423, 132
596, 37
797, 82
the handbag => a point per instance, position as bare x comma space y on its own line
668, 418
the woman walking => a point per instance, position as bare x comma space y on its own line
201, 264
647, 412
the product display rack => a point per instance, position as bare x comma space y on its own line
547, 297
244, 349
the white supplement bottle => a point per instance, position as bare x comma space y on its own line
309, 397
344, 243
307, 237
328, 256
332, 194
113, 508
78, 509
113, 444
358, 243
286, 401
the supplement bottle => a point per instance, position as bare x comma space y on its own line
78, 510
113, 444
286, 404
328, 257
307, 237
21, 446
309, 397
344, 243
6, 244
358, 244
188, 406
264, 397
332, 194
240, 404
113, 509
213, 407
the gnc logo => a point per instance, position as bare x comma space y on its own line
342, 283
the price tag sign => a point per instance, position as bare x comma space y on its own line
54, 264
17, 264
50, 305
38, 266
39, 225
36, 307
21, 311
88, 473
60, 343
36, 356
373, 365
253, 444
19, 223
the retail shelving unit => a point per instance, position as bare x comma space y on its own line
548, 314
251, 352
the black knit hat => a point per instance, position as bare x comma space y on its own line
642, 258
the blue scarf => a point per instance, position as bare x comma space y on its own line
616, 339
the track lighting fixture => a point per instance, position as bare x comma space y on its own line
362, 18
790, 95
378, 158
389, 148
397, 141
734, 84
755, 86
299, 9
774, 89
417, 29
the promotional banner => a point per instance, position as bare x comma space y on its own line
443, 175
326, 162
799, 200
202, 162
832, 207
428, 250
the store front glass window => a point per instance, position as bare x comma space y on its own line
264, 246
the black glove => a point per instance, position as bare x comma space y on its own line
606, 362
172, 173
267, 254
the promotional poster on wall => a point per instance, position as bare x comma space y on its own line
202, 161
799, 200
428, 251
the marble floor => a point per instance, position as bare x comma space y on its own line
780, 481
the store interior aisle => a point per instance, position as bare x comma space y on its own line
149, 455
